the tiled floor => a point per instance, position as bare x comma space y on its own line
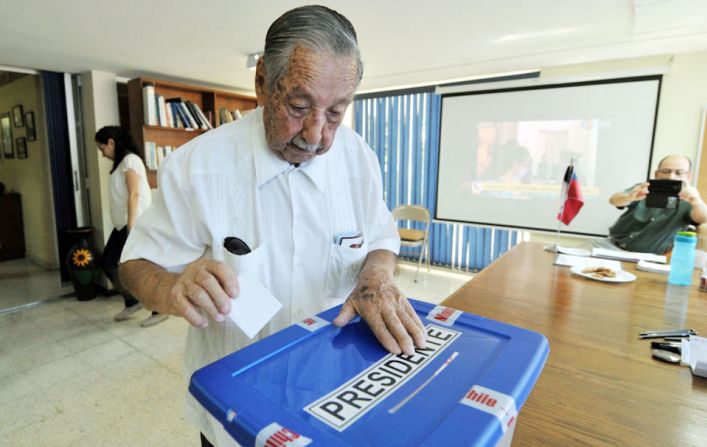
22, 281
70, 376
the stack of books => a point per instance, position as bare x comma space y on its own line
154, 154
172, 112
226, 116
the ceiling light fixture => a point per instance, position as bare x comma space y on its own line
252, 60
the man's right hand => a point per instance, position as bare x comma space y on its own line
638, 192
624, 198
203, 284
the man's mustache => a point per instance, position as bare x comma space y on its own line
302, 144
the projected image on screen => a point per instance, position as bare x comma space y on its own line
503, 153
526, 158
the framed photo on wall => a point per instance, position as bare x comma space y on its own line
29, 122
17, 117
21, 147
6, 136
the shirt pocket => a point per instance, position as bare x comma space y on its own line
248, 263
345, 264
252, 263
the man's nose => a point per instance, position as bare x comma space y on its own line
313, 128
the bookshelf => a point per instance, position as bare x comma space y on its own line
208, 100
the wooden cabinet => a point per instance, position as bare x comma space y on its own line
12, 234
209, 100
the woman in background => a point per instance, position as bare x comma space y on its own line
129, 197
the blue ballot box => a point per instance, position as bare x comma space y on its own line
315, 384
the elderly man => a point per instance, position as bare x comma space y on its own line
652, 230
287, 181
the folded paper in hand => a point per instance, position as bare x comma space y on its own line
255, 305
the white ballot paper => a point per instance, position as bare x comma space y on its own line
255, 305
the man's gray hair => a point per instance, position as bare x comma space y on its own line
315, 27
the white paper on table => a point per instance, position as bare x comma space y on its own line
255, 305
583, 262
628, 256
573, 251
694, 353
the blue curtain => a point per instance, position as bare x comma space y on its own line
404, 130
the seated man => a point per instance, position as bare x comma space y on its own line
652, 230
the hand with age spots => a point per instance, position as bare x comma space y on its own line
379, 302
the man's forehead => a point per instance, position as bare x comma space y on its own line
675, 160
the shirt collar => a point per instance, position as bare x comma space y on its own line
268, 165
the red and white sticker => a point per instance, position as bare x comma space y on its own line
312, 323
498, 404
275, 435
444, 315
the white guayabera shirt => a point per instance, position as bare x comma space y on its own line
227, 183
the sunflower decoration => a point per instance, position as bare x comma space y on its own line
81, 257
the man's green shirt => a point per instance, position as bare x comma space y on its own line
649, 230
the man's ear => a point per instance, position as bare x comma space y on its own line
260, 79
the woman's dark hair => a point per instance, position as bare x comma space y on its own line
124, 144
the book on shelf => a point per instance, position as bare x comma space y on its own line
161, 111
185, 116
154, 154
149, 105
206, 122
226, 116
192, 110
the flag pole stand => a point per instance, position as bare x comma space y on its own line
555, 248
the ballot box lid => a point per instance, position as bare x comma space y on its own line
316, 384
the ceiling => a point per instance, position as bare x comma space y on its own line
403, 43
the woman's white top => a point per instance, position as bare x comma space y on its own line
119, 190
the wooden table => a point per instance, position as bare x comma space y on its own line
600, 385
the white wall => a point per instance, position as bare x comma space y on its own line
100, 108
683, 94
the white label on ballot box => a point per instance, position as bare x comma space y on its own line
276, 435
444, 315
346, 404
498, 404
312, 323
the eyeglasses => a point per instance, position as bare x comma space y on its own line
678, 172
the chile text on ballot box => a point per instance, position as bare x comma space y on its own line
315, 384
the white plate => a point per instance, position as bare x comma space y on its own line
621, 275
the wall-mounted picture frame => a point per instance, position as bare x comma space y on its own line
31, 130
6, 136
18, 117
21, 147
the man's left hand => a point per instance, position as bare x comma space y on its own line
388, 313
690, 194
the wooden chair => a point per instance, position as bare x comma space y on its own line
412, 237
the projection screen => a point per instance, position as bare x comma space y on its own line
503, 153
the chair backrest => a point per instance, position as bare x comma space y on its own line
412, 212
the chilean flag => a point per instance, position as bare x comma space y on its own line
573, 197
